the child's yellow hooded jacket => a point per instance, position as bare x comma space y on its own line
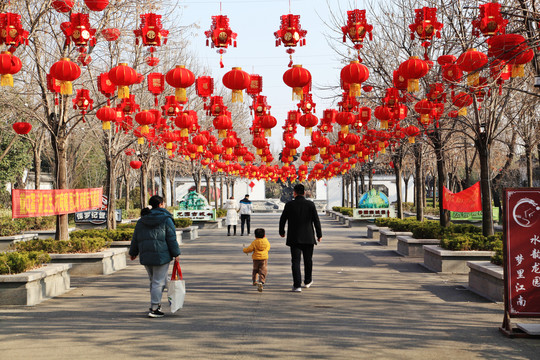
260, 249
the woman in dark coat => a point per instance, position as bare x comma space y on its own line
154, 240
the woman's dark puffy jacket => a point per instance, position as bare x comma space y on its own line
154, 239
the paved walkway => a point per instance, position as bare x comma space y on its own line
366, 303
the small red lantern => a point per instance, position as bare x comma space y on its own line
345, 119
184, 121
424, 108
308, 121
472, 61
151, 34
357, 28
180, 78
489, 21
200, 141
106, 87
462, 100
412, 132
255, 85
65, 71
297, 78
222, 123
79, 31
204, 85
111, 34
236, 80
123, 76
425, 26
221, 35
12, 33
83, 101
106, 115
412, 70
267, 123
290, 34
135, 164
22, 128
383, 114
354, 74
63, 6
9, 66
145, 118
156, 85
96, 5
446, 60
171, 107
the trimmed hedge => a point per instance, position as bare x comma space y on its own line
125, 226
347, 211
471, 242
10, 227
81, 245
124, 234
428, 229
182, 222
497, 259
18, 262
221, 213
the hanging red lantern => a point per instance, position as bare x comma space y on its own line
222, 123
200, 141
79, 31
399, 81
12, 33
412, 132
308, 121
412, 70
83, 101
151, 34
472, 61
462, 100
292, 144
357, 28
63, 6
290, 34
255, 85
180, 78
172, 107
96, 5
204, 86
354, 74
111, 34
135, 164
267, 123
425, 26
236, 80
512, 48
22, 128
229, 143
156, 85
106, 87
424, 108
297, 78
221, 35
452, 73
345, 119
65, 71
489, 21
383, 114
145, 118
184, 121
446, 60
123, 76
106, 115
9, 66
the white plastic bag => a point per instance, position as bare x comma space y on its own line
176, 289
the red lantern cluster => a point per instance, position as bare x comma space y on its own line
12, 33
79, 31
489, 21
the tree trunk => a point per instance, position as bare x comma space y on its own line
485, 184
221, 192
343, 192
215, 193
127, 178
153, 180
164, 181
207, 179
363, 183
418, 183
144, 185
444, 215
60, 157
37, 161
370, 177
110, 192
399, 205
528, 157
406, 185
357, 193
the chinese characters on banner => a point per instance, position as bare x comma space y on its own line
196, 214
522, 228
33, 203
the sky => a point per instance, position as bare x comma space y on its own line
255, 22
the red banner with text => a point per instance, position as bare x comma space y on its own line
468, 200
33, 203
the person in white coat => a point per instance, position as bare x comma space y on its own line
232, 215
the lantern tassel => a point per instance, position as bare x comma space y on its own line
168, 146
268, 132
106, 125
518, 70
180, 95
345, 129
473, 79
462, 111
413, 85
140, 140
221, 62
237, 96
66, 88
411, 139
145, 130
6, 80
184, 133
298, 93
355, 90
123, 92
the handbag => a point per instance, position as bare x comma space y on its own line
177, 288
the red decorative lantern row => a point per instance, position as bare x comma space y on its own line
180, 78
489, 21
425, 26
412, 70
357, 28
12, 33
221, 35
63, 6
255, 85
354, 75
9, 66
96, 5
472, 61
151, 34
65, 71
512, 48
290, 34
123, 76
22, 128
83, 101
79, 31
236, 80
204, 86
297, 78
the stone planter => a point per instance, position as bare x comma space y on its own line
389, 237
88, 264
7, 241
446, 261
412, 247
34, 286
209, 224
352, 222
189, 233
487, 280
373, 232
46, 234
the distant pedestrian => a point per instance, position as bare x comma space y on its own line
232, 215
154, 239
245, 214
259, 247
301, 216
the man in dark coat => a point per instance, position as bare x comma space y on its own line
154, 239
301, 216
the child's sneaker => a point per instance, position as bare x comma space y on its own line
260, 287
255, 283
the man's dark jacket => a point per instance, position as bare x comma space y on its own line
154, 238
301, 216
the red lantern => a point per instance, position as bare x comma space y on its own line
512, 48
12, 33
106, 115
22, 128
452, 73
65, 71
297, 78
236, 80
96, 5
200, 141
9, 66
204, 86
489, 21
180, 78
412, 70
83, 101
135, 164
290, 34
354, 74
229, 143
221, 35
411, 131
472, 61
222, 123
171, 107
308, 121
151, 34
462, 100
424, 108
446, 60
292, 144
156, 85
184, 121
345, 119
123, 76
145, 118
111, 34
79, 31
357, 28
63, 6
383, 114
425, 26
267, 123
255, 85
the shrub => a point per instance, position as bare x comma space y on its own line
428, 230
131, 214
10, 227
221, 213
471, 242
80, 245
336, 208
382, 222
497, 259
124, 234
17, 262
126, 226
408, 224
347, 211
182, 222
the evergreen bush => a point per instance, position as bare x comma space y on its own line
80, 245
182, 223
18, 262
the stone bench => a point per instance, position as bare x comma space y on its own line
99, 263
487, 280
373, 232
388, 237
209, 224
447, 261
7, 241
352, 222
413, 247
189, 233
35, 286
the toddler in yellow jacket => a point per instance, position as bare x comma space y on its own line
259, 247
